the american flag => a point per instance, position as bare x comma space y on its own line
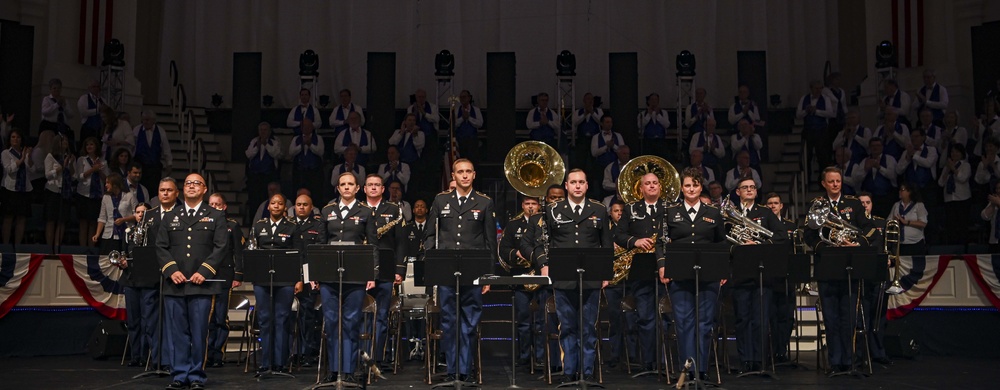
96, 17
908, 32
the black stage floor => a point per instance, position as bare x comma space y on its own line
81, 372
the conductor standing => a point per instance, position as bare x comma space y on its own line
461, 219
190, 245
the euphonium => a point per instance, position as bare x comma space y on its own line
623, 261
892, 235
833, 229
743, 229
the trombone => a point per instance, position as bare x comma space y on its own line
892, 241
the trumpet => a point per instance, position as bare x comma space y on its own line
742, 229
116, 257
833, 229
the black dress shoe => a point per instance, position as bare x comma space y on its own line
465, 378
216, 364
135, 363
703, 376
745, 367
781, 359
883, 361
589, 378
612, 363
281, 369
349, 378
567, 378
176, 385
261, 371
330, 377
755, 366
450, 378
196, 385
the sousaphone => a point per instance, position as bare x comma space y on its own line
532, 166
630, 178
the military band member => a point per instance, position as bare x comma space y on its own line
874, 310
783, 300
693, 222
274, 232
232, 272
576, 222
134, 296
641, 226
838, 297
347, 220
461, 219
190, 246
389, 227
747, 300
509, 251
309, 230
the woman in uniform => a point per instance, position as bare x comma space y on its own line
274, 232
347, 220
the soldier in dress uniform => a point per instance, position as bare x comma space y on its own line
783, 299
190, 245
389, 227
232, 272
509, 251
135, 322
576, 222
747, 300
641, 226
274, 232
838, 297
347, 220
693, 222
875, 311
461, 219
309, 230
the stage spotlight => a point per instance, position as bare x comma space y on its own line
216, 100
267, 101
566, 64
324, 100
885, 56
444, 64
114, 53
309, 63
685, 64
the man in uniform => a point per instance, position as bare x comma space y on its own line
167, 195
783, 300
389, 226
190, 246
875, 310
510, 253
576, 222
461, 219
838, 297
232, 272
641, 226
747, 300
309, 230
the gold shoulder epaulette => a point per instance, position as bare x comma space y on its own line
232, 220
817, 199
444, 192
878, 218
331, 203
483, 195
317, 217
710, 205
787, 220
850, 197
595, 201
261, 220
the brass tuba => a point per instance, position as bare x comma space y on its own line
742, 229
630, 179
833, 229
531, 167
623, 261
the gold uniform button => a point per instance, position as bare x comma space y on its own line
188, 255
189, 246
459, 226
576, 241
189, 237
459, 234
189, 229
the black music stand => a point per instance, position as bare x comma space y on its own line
644, 266
341, 263
146, 272
465, 265
579, 265
799, 272
513, 280
696, 262
839, 264
761, 262
272, 266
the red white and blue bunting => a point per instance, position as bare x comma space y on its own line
93, 277
921, 273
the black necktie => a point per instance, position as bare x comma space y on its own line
274, 227
461, 200
343, 211
578, 210
652, 209
420, 227
191, 212
692, 212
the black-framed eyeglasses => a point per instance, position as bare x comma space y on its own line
747, 187
193, 183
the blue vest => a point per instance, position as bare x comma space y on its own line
609, 155
362, 157
934, 96
467, 130
94, 121
895, 101
708, 157
840, 107
341, 115
425, 125
407, 151
876, 183
848, 189
752, 149
654, 129
21, 178
918, 175
858, 151
616, 169
700, 117
588, 127
543, 132
892, 147
148, 155
263, 164
813, 121
309, 115
306, 159
933, 132
738, 109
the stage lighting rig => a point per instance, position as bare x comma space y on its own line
309, 63
444, 64
565, 64
685, 64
